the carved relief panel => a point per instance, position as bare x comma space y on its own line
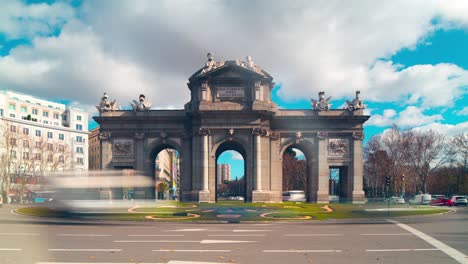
122, 147
338, 147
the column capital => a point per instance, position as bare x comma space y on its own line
139, 135
358, 135
263, 132
203, 131
104, 136
322, 135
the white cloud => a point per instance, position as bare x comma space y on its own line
413, 117
152, 47
446, 129
386, 119
235, 155
463, 112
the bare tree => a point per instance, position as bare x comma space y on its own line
460, 148
294, 172
426, 151
7, 157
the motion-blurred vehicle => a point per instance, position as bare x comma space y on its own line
1, 200
239, 198
441, 201
459, 200
294, 196
397, 200
43, 197
421, 199
334, 198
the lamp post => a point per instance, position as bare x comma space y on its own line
403, 187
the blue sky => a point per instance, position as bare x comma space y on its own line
411, 67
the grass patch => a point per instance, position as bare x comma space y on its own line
41, 212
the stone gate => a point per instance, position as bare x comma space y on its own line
231, 109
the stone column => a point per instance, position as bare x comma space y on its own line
204, 194
321, 170
258, 161
139, 152
106, 149
357, 174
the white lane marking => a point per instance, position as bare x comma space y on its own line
19, 234
249, 230
191, 250
401, 249
187, 230
305, 235
224, 241
11, 249
302, 251
453, 253
84, 235
184, 241
389, 234
86, 249
239, 235
170, 262
156, 235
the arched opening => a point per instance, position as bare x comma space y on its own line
338, 183
166, 173
295, 170
230, 179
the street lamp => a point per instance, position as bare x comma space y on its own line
403, 187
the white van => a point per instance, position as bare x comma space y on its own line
294, 196
420, 199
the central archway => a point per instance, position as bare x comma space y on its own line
238, 183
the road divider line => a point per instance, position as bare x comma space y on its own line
238, 235
402, 249
389, 234
453, 253
85, 249
11, 249
85, 235
306, 235
185, 241
19, 234
192, 250
302, 251
156, 235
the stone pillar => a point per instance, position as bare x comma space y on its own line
357, 174
139, 152
106, 150
204, 194
261, 192
258, 162
321, 170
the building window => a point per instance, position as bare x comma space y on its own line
79, 160
79, 149
25, 143
56, 116
79, 127
49, 158
79, 139
50, 135
61, 148
61, 136
38, 156
1, 112
25, 155
13, 129
50, 146
25, 131
12, 141
35, 112
12, 106
45, 122
12, 115
64, 117
38, 144
78, 117
24, 109
38, 133
61, 159
45, 114
13, 154
56, 123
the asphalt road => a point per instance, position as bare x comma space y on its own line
423, 239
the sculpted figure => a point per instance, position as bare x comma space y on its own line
356, 103
322, 104
141, 104
106, 105
210, 63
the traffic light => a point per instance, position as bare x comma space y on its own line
387, 180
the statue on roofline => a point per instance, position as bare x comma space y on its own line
106, 104
141, 104
322, 104
356, 104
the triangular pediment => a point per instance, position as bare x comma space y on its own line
230, 69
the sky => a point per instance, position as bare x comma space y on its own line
408, 58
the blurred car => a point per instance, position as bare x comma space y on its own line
459, 200
421, 199
1, 200
294, 196
441, 201
334, 199
239, 198
397, 200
